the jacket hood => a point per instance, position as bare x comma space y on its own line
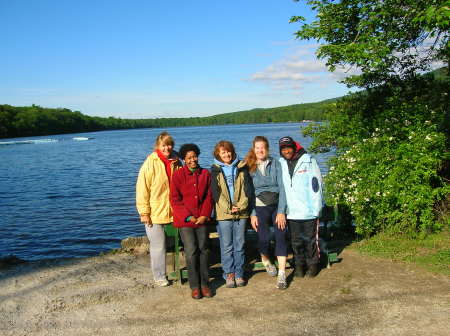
298, 151
221, 164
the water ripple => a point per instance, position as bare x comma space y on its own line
69, 198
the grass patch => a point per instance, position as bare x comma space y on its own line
431, 253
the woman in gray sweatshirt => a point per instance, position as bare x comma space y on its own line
270, 205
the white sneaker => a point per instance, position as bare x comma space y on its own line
281, 281
162, 283
271, 269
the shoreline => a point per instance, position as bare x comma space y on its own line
130, 245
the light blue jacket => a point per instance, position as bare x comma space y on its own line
304, 196
271, 182
229, 172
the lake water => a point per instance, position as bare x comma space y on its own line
66, 197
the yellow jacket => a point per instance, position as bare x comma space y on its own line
153, 190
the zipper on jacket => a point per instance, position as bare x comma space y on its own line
228, 190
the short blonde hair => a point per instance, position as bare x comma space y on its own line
164, 138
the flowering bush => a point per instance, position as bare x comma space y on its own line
391, 144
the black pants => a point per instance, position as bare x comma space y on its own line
304, 240
266, 217
196, 251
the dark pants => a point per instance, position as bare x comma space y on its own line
196, 251
266, 217
305, 241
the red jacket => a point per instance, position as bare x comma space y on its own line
190, 195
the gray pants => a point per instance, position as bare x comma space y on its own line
157, 239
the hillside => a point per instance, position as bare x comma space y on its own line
18, 121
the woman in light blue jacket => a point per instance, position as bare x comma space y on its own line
302, 182
270, 205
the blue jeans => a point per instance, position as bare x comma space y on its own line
232, 239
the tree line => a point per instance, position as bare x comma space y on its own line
19, 121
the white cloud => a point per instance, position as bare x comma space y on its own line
299, 68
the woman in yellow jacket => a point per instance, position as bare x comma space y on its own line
152, 200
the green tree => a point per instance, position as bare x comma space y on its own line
387, 40
392, 138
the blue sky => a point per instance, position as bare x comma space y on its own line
157, 58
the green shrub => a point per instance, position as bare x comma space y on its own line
391, 143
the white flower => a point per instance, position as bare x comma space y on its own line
364, 140
391, 138
410, 137
427, 122
378, 193
427, 137
377, 129
366, 199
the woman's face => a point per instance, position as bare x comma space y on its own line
260, 150
191, 160
225, 155
165, 149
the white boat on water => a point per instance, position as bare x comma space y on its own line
24, 142
81, 138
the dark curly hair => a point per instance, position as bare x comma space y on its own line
184, 149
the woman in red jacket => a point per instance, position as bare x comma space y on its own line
191, 200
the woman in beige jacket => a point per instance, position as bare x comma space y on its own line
152, 200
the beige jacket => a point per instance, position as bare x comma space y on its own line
243, 193
153, 190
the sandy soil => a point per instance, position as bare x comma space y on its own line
114, 295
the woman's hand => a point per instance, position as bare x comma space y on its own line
145, 219
235, 209
193, 220
201, 220
254, 222
281, 221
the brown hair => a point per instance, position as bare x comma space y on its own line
250, 159
227, 146
165, 138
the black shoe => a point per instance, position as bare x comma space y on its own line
299, 272
312, 271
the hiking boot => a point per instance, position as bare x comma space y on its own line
299, 271
281, 281
312, 271
206, 292
240, 282
230, 282
195, 294
271, 269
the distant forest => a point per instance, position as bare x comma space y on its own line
19, 121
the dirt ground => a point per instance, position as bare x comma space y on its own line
114, 295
